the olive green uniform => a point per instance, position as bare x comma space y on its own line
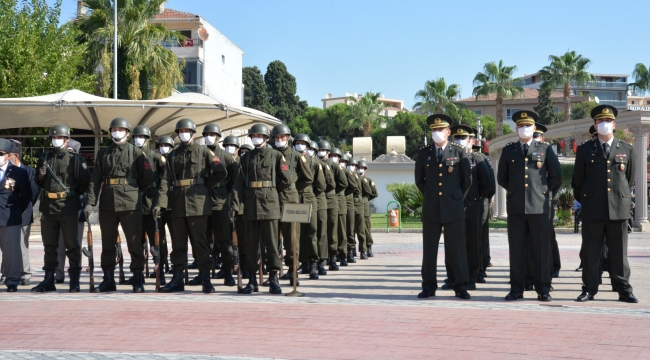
353, 190
373, 195
122, 172
323, 183
240, 221
336, 209
360, 203
308, 231
150, 198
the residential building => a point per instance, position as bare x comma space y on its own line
638, 103
392, 106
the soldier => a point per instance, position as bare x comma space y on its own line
193, 170
335, 198
301, 178
264, 175
63, 175
603, 175
165, 145
367, 213
219, 224
351, 192
231, 145
485, 219
362, 210
528, 170
122, 172
319, 168
238, 208
141, 135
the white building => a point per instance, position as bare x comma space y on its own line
390, 110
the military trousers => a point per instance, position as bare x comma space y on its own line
131, 222
149, 228
219, 229
369, 241
165, 219
472, 244
342, 233
485, 238
332, 227
556, 264
286, 242
308, 238
360, 231
194, 228
350, 224
51, 227
613, 233
242, 240
59, 274
454, 245
265, 231
10, 249
522, 230
321, 235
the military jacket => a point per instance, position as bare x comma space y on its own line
15, 195
123, 172
444, 184
301, 174
371, 195
320, 182
528, 179
150, 195
361, 198
480, 188
341, 186
353, 190
220, 193
602, 184
71, 169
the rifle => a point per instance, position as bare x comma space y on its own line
89, 254
260, 264
155, 251
146, 254
235, 254
280, 240
120, 259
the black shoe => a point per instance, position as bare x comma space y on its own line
483, 273
528, 287
447, 285
333, 265
108, 284
364, 256
303, 268
556, 273
344, 262
471, 285
425, 294
551, 289
152, 275
47, 284
196, 281
12, 288
220, 274
544, 297
628, 297
480, 279
463, 294
321, 269
579, 268
177, 283
217, 265
266, 282
514, 296
192, 265
128, 281
25, 282
59, 281
585, 296
244, 273
287, 275
291, 280
489, 265
206, 285
351, 258
313, 271
251, 287
74, 280
274, 287
370, 253
228, 280
138, 282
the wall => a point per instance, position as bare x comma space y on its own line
222, 81
385, 173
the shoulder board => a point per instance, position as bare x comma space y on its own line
163, 160
327, 167
372, 183
320, 167
457, 145
510, 143
303, 158
365, 180
211, 153
283, 158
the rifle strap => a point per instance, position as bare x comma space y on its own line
291, 165
53, 175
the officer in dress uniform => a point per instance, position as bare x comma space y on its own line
602, 177
528, 170
443, 175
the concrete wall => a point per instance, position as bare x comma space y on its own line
384, 174
222, 80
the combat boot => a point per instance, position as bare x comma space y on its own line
138, 282
108, 284
176, 283
287, 274
364, 256
192, 265
313, 271
291, 279
47, 284
351, 258
251, 287
197, 279
74, 280
220, 274
344, 261
205, 282
228, 280
274, 287
333, 265
370, 253
321, 268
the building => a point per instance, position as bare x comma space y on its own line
392, 106
213, 62
638, 103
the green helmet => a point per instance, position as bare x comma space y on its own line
185, 124
344, 158
280, 129
60, 130
352, 161
362, 164
212, 128
119, 123
302, 137
165, 140
141, 130
337, 152
246, 146
259, 129
313, 145
230, 140
324, 145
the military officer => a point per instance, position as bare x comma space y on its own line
351, 192
602, 177
485, 219
122, 172
443, 175
528, 170
328, 186
193, 170
265, 174
361, 211
165, 145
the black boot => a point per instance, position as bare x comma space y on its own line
287, 275
291, 279
74, 280
274, 287
304, 268
220, 274
197, 279
138, 282
217, 264
244, 273
333, 265
205, 282
364, 256
370, 253
176, 283
251, 287
354, 252
193, 265
108, 284
47, 284
162, 277
351, 258
228, 280
344, 261
313, 271
321, 268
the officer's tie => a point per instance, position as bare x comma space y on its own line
525, 149
439, 155
606, 149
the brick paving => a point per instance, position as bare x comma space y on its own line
367, 310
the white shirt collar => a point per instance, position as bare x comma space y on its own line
442, 147
609, 142
527, 142
4, 167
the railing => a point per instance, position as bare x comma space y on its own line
600, 84
614, 103
182, 43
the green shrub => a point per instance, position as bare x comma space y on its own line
402, 192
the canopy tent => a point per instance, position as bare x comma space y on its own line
80, 110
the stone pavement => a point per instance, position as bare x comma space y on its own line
367, 310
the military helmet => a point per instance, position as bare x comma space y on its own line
352, 161
344, 158
336, 151
302, 137
246, 146
324, 145
185, 124
141, 130
280, 129
212, 128
230, 140
363, 164
313, 145
165, 139
258, 129
60, 130
120, 123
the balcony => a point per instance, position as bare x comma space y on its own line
614, 103
187, 43
609, 85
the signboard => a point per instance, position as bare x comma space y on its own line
297, 213
638, 108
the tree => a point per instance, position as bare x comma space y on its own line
489, 125
364, 112
496, 79
562, 71
281, 88
436, 96
410, 125
462, 116
141, 59
255, 94
582, 110
641, 78
545, 107
300, 125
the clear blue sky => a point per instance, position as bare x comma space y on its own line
395, 46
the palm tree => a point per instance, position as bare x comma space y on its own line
641, 78
141, 59
496, 79
563, 70
436, 96
364, 113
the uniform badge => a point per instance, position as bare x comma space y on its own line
147, 166
539, 164
83, 165
622, 167
450, 169
285, 167
216, 160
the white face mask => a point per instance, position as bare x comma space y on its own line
460, 142
361, 171
311, 152
139, 141
526, 132
3, 160
322, 153
210, 140
300, 147
335, 159
257, 142
469, 145
280, 144
438, 136
185, 136
605, 128
231, 149
57, 143
164, 149
351, 167
118, 135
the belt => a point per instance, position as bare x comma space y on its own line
261, 184
153, 185
187, 182
220, 185
116, 181
57, 195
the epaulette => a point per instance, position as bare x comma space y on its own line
510, 143
457, 145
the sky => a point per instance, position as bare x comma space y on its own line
393, 47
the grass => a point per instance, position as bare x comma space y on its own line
378, 221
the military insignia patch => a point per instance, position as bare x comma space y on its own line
285, 167
216, 160
147, 166
83, 165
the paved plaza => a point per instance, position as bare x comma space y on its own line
368, 310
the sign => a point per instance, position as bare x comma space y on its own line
298, 213
638, 108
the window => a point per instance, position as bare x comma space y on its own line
223, 59
632, 102
509, 113
193, 75
557, 109
477, 112
647, 102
